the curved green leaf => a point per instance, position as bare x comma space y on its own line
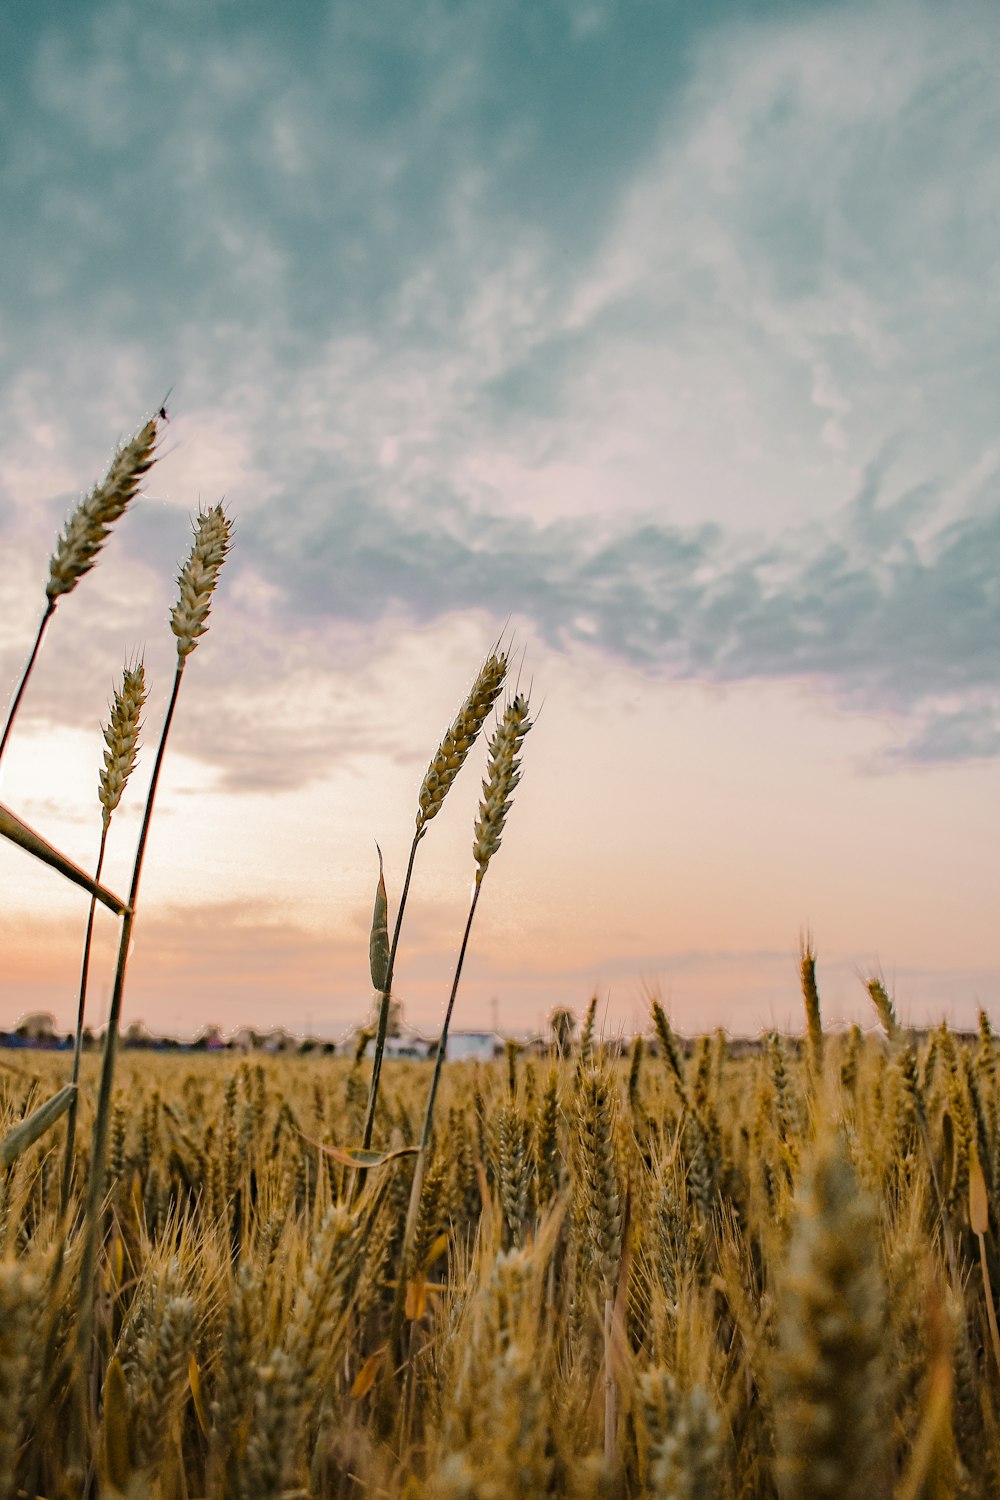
378, 943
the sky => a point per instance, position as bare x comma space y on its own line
660, 339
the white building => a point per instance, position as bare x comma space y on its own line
473, 1046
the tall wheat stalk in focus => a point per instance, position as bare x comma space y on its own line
502, 776
448, 760
188, 620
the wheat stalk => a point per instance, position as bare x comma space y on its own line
814, 1020
197, 581
448, 760
121, 738
831, 1377
884, 1007
502, 776
85, 534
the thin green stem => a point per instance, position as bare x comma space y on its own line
46, 617
78, 1039
95, 1186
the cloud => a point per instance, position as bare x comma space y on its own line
692, 372
860, 608
966, 734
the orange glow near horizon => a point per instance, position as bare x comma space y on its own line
664, 837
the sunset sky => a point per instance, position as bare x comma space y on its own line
666, 333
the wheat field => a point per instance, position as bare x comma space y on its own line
769, 1280
705, 1271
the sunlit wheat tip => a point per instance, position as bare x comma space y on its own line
503, 775
884, 1006
87, 528
198, 577
459, 739
121, 736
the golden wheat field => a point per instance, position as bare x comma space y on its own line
707, 1276
705, 1272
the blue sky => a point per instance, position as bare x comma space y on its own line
667, 331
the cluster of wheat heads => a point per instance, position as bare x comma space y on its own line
698, 1272
76, 552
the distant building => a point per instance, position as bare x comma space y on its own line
473, 1046
403, 1042
406, 1043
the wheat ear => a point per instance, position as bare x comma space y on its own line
197, 579
503, 775
671, 1051
814, 1020
884, 1007
831, 1378
121, 738
86, 532
459, 739
444, 767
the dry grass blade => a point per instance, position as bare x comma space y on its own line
11, 827
37, 1123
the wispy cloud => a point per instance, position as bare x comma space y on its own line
692, 370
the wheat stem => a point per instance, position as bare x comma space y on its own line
448, 760
95, 1186
78, 1039
383, 1015
16, 703
121, 738
197, 583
